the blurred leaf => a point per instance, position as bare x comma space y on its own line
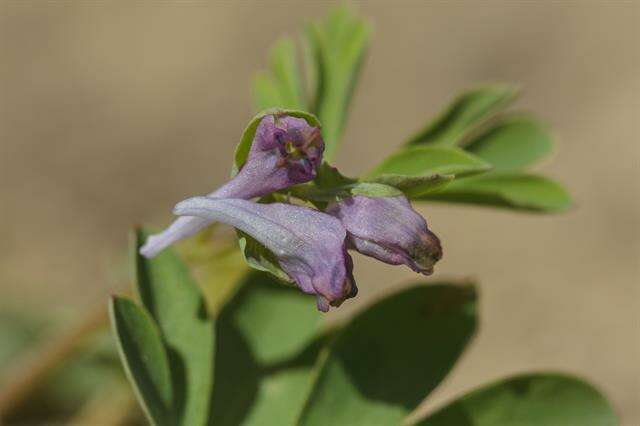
513, 143
174, 301
508, 190
338, 45
216, 263
280, 87
268, 343
56, 393
528, 400
420, 169
144, 359
243, 148
111, 404
467, 110
17, 333
428, 160
391, 356
94, 363
310, 61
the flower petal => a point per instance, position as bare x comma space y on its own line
388, 229
309, 245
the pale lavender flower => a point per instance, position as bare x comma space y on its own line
310, 246
388, 229
285, 151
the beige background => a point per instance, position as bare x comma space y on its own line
112, 112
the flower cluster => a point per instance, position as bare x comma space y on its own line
310, 245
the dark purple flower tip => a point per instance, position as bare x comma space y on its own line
285, 151
310, 246
388, 229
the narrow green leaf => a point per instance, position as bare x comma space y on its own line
242, 150
420, 169
514, 142
266, 93
528, 400
280, 87
429, 160
467, 110
268, 345
310, 61
174, 301
338, 46
391, 356
144, 358
507, 190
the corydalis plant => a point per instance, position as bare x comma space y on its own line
273, 362
308, 246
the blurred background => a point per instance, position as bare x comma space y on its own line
114, 111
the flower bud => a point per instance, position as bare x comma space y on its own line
388, 229
310, 246
285, 151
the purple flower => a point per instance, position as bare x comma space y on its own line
388, 229
309, 245
285, 151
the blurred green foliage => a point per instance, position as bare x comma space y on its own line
241, 348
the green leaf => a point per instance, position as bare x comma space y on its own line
280, 87
429, 160
420, 169
330, 177
260, 258
514, 142
242, 150
391, 356
528, 400
507, 190
338, 45
268, 345
144, 358
174, 301
466, 111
